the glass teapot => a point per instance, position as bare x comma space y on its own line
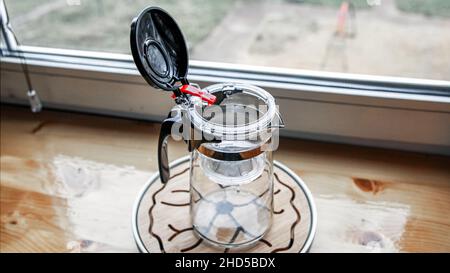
230, 129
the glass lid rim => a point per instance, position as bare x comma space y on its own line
256, 126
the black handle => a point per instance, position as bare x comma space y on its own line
166, 130
163, 161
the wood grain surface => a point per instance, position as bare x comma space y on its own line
69, 181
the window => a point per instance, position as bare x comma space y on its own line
403, 38
365, 72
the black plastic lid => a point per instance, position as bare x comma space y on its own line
159, 49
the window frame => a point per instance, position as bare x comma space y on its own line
324, 106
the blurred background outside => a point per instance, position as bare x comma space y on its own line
406, 38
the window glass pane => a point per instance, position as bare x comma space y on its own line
408, 38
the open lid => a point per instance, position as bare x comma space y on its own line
159, 49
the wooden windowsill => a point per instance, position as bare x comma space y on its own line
68, 183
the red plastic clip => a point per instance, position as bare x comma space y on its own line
194, 91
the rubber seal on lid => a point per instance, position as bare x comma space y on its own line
159, 49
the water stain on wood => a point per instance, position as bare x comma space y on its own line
371, 238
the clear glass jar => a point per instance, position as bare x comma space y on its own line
231, 171
231, 202
232, 181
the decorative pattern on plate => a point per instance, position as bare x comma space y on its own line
161, 221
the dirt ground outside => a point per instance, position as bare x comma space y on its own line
386, 42
382, 39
